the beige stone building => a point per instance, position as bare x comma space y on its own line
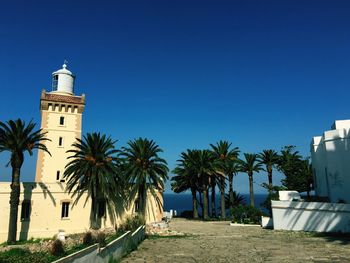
45, 208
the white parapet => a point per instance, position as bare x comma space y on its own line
311, 216
288, 195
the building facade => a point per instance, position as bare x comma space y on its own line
45, 207
330, 155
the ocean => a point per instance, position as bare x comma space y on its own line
182, 202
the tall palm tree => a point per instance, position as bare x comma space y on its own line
93, 170
145, 170
17, 138
270, 159
227, 161
204, 166
249, 166
186, 178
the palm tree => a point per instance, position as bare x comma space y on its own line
249, 166
270, 159
227, 161
93, 170
204, 166
238, 199
145, 170
186, 178
17, 138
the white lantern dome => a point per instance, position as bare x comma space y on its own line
63, 81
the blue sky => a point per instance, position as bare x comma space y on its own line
261, 74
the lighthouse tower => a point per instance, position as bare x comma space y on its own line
61, 120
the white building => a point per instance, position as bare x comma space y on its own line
330, 154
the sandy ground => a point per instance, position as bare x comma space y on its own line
219, 242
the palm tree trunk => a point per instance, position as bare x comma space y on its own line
93, 213
222, 199
269, 174
194, 202
205, 203
230, 179
201, 201
208, 201
213, 204
251, 190
14, 202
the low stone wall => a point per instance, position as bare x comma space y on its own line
311, 216
116, 249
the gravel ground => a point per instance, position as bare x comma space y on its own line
219, 242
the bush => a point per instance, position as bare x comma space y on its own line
101, 239
88, 239
18, 255
57, 248
132, 223
246, 214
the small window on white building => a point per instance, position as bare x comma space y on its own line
60, 141
65, 210
25, 210
61, 120
58, 175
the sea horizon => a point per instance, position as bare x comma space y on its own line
183, 201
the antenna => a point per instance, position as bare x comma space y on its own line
65, 63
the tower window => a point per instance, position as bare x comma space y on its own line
58, 175
65, 210
54, 82
61, 120
25, 211
60, 141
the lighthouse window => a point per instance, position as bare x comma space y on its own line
58, 175
60, 141
54, 82
65, 210
61, 120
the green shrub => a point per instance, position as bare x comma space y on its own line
18, 255
101, 239
57, 248
88, 239
132, 223
246, 214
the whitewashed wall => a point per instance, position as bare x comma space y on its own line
311, 216
330, 156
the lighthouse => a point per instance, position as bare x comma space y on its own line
61, 120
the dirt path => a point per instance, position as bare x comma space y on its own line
219, 242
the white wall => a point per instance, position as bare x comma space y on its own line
330, 155
311, 216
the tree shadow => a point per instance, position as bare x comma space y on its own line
28, 199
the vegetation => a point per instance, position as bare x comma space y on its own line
249, 166
186, 178
270, 159
246, 214
17, 138
93, 170
227, 167
297, 171
57, 248
18, 255
144, 170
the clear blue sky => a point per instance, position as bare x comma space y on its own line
261, 74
